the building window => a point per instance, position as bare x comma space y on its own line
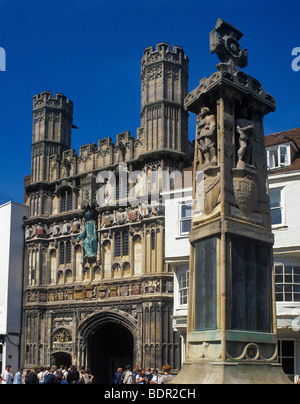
125, 243
185, 218
287, 283
278, 156
122, 244
118, 245
122, 187
70, 200
68, 252
62, 254
66, 201
276, 206
65, 253
118, 186
286, 357
183, 282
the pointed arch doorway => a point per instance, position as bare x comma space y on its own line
110, 346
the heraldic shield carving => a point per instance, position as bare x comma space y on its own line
211, 189
245, 189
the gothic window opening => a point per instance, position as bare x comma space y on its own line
62, 254
125, 243
65, 253
118, 245
70, 201
66, 201
122, 188
68, 252
117, 188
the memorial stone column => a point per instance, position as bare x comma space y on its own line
231, 331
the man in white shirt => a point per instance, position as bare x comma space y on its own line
7, 375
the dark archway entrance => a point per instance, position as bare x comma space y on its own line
62, 358
110, 347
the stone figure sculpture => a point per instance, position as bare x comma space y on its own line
89, 236
206, 134
244, 128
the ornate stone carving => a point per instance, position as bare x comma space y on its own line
227, 46
244, 128
245, 189
206, 135
211, 189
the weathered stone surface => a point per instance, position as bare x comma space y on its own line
225, 373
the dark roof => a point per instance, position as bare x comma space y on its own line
292, 135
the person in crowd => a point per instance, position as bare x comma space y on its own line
18, 377
82, 378
33, 376
41, 375
118, 376
54, 369
73, 375
65, 371
127, 375
89, 377
141, 377
148, 374
27, 376
59, 376
7, 375
50, 378
155, 377
167, 377
135, 373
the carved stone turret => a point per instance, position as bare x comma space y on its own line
164, 122
51, 134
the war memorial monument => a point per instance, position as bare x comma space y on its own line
232, 334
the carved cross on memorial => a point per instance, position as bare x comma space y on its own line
224, 41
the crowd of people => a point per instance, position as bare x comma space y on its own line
47, 375
65, 375
143, 376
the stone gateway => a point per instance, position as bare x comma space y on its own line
97, 292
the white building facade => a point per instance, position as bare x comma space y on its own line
178, 209
283, 151
11, 285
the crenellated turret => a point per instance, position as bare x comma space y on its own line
51, 134
164, 77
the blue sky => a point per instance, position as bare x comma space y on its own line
90, 51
